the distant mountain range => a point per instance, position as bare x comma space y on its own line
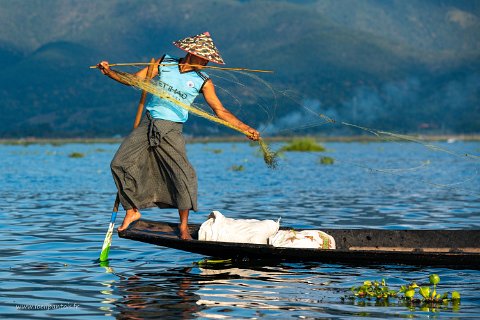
404, 66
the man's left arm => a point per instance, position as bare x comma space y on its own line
214, 102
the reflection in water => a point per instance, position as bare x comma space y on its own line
256, 289
158, 295
56, 218
279, 290
284, 291
109, 300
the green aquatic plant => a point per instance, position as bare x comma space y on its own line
215, 151
430, 298
327, 160
237, 167
408, 291
207, 262
303, 145
55, 143
373, 290
428, 294
76, 155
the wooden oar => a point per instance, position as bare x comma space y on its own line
108, 237
152, 65
192, 65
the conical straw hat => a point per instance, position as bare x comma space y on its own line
202, 46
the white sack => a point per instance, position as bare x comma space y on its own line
302, 239
220, 228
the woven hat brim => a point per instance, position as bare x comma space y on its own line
201, 46
218, 61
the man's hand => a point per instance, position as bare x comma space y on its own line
253, 134
104, 67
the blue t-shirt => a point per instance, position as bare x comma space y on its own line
183, 87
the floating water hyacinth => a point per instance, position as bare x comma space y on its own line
327, 160
76, 155
303, 145
379, 291
237, 168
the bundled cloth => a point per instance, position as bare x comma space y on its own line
220, 228
314, 239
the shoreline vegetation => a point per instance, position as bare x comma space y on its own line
219, 139
320, 139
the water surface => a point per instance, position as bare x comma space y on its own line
56, 210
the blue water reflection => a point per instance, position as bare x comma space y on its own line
56, 210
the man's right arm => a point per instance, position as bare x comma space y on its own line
105, 69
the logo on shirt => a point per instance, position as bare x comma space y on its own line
190, 84
169, 89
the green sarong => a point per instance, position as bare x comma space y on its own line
151, 168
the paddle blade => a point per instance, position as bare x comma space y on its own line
108, 238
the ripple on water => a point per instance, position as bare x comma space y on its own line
56, 219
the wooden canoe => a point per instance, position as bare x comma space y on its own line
449, 248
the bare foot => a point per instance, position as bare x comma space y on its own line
130, 216
184, 233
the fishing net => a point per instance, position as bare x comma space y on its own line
284, 112
152, 87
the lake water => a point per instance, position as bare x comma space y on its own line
55, 212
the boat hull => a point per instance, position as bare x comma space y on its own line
449, 248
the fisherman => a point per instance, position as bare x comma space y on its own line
150, 168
